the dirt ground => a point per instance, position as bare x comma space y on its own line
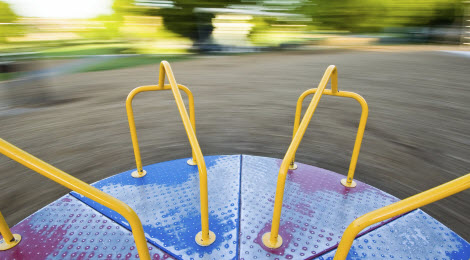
417, 135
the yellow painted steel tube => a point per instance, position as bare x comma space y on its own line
272, 239
360, 130
397, 208
81, 187
206, 237
130, 117
5, 230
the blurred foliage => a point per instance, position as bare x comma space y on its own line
268, 31
181, 18
356, 16
109, 29
6, 14
178, 26
359, 16
7, 18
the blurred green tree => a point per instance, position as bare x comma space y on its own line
349, 15
109, 29
427, 13
360, 16
179, 16
7, 19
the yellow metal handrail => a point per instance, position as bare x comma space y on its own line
9, 240
79, 186
273, 239
349, 182
130, 117
397, 208
205, 237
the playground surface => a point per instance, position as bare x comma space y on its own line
416, 137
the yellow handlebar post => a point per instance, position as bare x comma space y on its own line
205, 237
81, 187
9, 240
273, 239
349, 182
130, 116
397, 208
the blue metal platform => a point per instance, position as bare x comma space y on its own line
415, 235
70, 229
167, 202
316, 211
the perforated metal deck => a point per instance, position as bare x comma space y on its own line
167, 202
415, 235
316, 211
69, 229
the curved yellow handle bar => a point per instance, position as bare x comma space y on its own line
273, 239
397, 208
79, 186
130, 117
205, 237
360, 131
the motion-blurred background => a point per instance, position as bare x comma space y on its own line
55, 28
66, 67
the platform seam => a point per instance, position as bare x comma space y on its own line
123, 226
239, 206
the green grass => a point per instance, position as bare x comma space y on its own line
115, 63
88, 49
7, 76
132, 61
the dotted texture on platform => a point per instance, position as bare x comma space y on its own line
70, 229
415, 235
167, 201
316, 209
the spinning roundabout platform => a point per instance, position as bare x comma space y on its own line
231, 206
317, 209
